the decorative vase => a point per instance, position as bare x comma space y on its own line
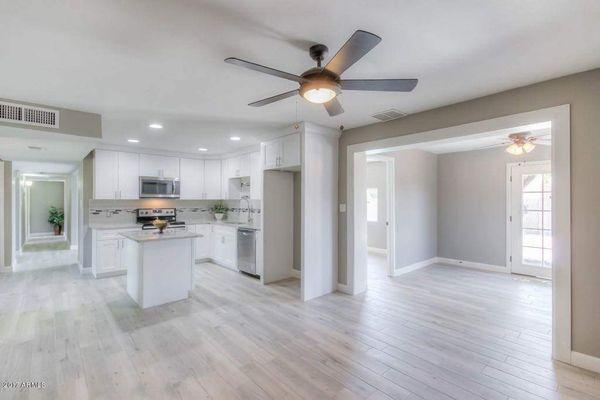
219, 216
160, 225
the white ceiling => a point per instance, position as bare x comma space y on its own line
142, 61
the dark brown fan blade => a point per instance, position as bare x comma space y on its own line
359, 44
379, 85
265, 70
333, 107
273, 99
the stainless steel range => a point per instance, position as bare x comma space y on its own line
145, 216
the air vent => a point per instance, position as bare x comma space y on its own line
389, 115
28, 115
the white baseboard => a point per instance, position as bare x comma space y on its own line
85, 271
73, 247
343, 288
586, 362
294, 273
415, 266
376, 250
6, 269
470, 264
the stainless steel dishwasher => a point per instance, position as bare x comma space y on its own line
246, 250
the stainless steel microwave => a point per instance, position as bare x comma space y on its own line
152, 186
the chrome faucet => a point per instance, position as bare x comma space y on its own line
249, 218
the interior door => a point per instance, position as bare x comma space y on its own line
531, 220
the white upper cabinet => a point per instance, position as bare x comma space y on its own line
212, 179
255, 176
191, 179
243, 166
106, 164
282, 152
129, 176
159, 166
116, 175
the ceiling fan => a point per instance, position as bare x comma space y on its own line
321, 85
520, 143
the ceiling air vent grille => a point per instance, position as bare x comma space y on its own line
28, 115
389, 115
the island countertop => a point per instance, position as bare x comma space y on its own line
155, 236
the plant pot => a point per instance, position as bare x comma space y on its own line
219, 216
57, 230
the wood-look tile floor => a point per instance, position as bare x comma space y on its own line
437, 333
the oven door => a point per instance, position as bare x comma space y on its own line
157, 187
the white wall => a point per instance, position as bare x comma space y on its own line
319, 212
376, 231
472, 203
416, 206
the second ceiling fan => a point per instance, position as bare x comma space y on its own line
321, 85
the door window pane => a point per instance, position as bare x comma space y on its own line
532, 220
547, 258
547, 201
532, 183
532, 201
547, 182
532, 256
547, 220
372, 205
532, 238
547, 240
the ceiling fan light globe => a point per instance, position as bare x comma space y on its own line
514, 149
319, 91
528, 147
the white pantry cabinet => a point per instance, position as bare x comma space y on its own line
191, 179
212, 179
116, 175
159, 166
224, 246
283, 152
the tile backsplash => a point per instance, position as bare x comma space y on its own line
123, 212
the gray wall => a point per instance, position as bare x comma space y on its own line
416, 206
376, 231
472, 203
42, 196
582, 92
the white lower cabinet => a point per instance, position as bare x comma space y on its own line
224, 246
202, 244
107, 249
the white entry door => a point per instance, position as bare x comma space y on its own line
530, 220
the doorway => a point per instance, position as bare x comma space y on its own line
380, 215
529, 229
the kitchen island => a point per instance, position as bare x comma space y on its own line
159, 266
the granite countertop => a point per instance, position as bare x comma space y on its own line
225, 223
115, 226
153, 236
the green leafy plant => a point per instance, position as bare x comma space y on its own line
219, 208
56, 216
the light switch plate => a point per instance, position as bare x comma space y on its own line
342, 207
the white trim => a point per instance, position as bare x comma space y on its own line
343, 288
295, 273
377, 250
584, 361
74, 247
559, 117
471, 264
415, 266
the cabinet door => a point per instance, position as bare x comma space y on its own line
192, 179
255, 176
203, 243
291, 150
108, 255
151, 165
272, 153
105, 174
129, 176
230, 248
212, 179
243, 165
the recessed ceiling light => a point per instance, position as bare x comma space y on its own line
202, 149
235, 138
133, 140
155, 126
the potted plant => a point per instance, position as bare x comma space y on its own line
56, 217
220, 210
